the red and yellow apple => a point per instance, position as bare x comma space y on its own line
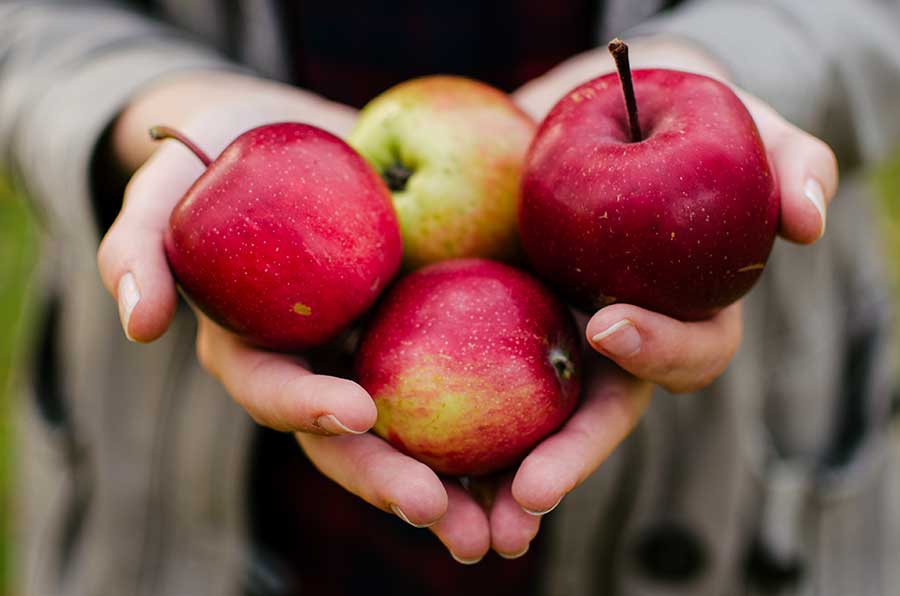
451, 151
470, 363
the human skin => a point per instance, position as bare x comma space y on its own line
280, 392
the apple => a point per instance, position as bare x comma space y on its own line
451, 151
286, 238
672, 207
470, 363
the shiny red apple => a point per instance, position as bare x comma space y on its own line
679, 220
470, 363
286, 238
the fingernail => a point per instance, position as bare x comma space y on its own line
812, 190
515, 556
129, 296
399, 513
620, 339
331, 423
465, 561
545, 512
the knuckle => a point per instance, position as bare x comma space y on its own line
824, 153
108, 252
667, 366
204, 351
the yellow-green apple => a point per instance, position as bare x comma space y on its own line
286, 238
451, 151
470, 363
672, 206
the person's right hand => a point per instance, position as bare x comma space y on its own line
277, 390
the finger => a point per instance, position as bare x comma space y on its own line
806, 170
278, 392
807, 173
614, 402
464, 529
371, 469
512, 529
679, 356
132, 259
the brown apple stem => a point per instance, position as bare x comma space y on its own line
160, 133
619, 51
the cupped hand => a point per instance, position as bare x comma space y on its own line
643, 347
687, 356
328, 414
611, 405
213, 109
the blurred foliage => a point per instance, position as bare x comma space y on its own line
18, 250
886, 181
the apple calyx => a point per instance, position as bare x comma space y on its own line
161, 133
619, 51
396, 176
563, 365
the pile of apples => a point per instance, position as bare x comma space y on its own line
445, 192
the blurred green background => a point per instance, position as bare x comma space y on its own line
18, 254
886, 184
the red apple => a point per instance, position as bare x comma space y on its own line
680, 220
470, 363
286, 238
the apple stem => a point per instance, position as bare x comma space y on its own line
563, 365
619, 51
396, 177
160, 133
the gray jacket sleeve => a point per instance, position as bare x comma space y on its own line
66, 70
830, 66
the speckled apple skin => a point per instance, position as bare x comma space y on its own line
466, 143
681, 223
458, 361
286, 238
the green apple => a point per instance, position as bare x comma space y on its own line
451, 151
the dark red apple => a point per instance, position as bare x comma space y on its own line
679, 218
470, 363
286, 238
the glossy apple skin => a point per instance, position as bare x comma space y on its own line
459, 359
681, 223
465, 143
286, 238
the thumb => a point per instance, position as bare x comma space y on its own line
805, 168
132, 258
807, 172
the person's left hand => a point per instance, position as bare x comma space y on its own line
678, 356
646, 348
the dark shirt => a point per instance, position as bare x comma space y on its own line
311, 536
352, 50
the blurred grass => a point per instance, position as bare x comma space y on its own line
886, 182
17, 257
